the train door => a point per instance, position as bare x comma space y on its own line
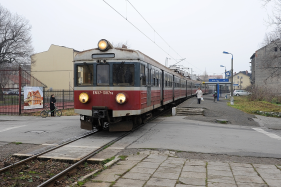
185, 88
173, 85
148, 85
162, 85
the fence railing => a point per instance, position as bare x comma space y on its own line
12, 82
9, 104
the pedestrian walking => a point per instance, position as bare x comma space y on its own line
215, 96
199, 95
52, 105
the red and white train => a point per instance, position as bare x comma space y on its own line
116, 88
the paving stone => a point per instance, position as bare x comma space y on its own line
154, 160
273, 171
220, 185
221, 168
275, 176
94, 184
262, 166
129, 183
138, 157
273, 183
107, 177
128, 162
157, 156
171, 165
193, 175
169, 170
279, 167
200, 169
243, 169
241, 165
184, 185
251, 185
148, 165
136, 176
221, 179
248, 179
166, 175
218, 164
155, 182
244, 173
220, 173
195, 163
175, 160
192, 181
122, 167
143, 170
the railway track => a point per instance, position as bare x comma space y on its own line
61, 174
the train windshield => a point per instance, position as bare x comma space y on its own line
102, 75
84, 75
123, 74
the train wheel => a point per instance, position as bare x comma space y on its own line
44, 114
137, 120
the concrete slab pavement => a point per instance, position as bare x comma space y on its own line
179, 172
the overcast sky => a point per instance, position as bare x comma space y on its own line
197, 30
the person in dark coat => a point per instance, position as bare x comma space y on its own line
52, 105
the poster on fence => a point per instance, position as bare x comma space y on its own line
33, 97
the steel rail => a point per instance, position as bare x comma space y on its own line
48, 150
83, 159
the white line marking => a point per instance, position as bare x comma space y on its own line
271, 135
11, 128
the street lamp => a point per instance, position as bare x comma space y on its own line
231, 89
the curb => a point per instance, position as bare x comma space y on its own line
96, 171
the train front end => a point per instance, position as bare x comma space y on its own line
106, 89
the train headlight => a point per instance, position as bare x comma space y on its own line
83, 97
120, 98
104, 45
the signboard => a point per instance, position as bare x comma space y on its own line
218, 80
235, 84
227, 73
33, 97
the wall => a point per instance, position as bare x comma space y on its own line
54, 67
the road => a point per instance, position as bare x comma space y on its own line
173, 133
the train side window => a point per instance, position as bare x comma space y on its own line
85, 74
142, 75
123, 74
102, 75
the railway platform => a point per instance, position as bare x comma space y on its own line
153, 169
218, 110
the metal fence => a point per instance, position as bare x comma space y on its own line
12, 82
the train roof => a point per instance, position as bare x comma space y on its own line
123, 54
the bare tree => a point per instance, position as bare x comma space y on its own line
15, 39
15, 44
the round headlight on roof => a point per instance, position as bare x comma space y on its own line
83, 97
121, 98
104, 45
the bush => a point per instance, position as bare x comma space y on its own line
262, 93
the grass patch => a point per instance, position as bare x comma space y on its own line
108, 160
65, 112
243, 103
122, 157
17, 143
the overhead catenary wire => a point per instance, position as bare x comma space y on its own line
159, 34
139, 30
145, 34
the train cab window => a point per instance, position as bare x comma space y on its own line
123, 74
84, 74
102, 75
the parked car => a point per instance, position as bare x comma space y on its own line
241, 92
